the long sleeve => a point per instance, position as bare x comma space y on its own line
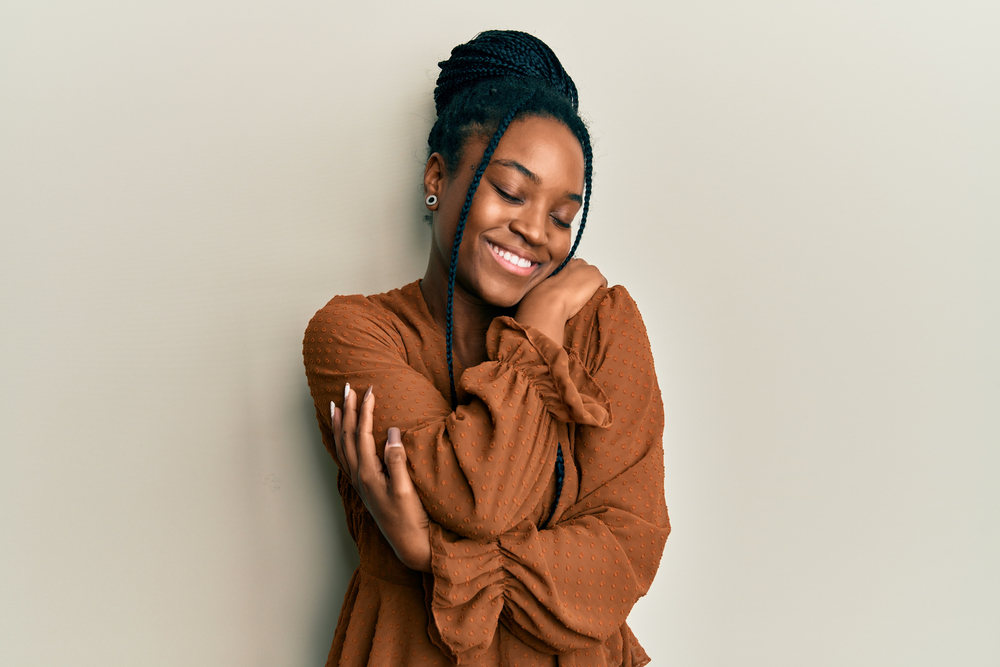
483, 467
571, 586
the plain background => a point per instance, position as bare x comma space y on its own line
802, 197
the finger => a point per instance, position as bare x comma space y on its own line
348, 427
395, 461
361, 410
338, 441
335, 419
367, 458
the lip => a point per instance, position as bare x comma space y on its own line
510, 266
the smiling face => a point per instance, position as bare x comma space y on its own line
518, 229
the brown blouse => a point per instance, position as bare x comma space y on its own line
509, 586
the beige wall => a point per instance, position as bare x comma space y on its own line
802, 197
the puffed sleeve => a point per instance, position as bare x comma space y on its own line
569, 587
476, 467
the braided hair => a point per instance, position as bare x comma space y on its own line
487, 83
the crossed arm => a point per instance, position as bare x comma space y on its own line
566, 587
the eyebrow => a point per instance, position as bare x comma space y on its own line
532, 176
514, 164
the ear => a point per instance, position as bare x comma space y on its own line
435, 175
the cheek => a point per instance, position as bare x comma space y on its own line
445, 224
563, 242
482, 217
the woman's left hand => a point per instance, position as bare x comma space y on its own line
387, 491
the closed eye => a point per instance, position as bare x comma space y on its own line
560, 223
506, 195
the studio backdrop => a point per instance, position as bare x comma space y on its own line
801, 197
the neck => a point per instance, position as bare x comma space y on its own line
471, 316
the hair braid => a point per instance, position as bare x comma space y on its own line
460, 230
498, 54
588, 177
560, 478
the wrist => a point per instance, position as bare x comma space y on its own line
416, 555
548, 320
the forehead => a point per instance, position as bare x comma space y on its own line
545, 146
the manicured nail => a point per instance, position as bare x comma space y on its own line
394, 439
333, 411
367, 393
347, 391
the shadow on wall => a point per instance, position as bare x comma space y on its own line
343, 552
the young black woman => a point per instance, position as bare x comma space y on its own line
502, 474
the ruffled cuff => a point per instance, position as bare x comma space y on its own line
539, 603
464, 594
567, 389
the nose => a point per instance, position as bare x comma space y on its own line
532, 225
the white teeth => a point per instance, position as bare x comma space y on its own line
510, 257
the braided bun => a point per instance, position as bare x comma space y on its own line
497, 54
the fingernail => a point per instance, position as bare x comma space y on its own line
333, 411
367, 393
394, 439
347, 390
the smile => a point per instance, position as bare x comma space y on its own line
512, 262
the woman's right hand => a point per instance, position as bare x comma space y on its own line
387, 490
556, 299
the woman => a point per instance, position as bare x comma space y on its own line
519, 513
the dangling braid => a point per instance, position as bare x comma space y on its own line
560, 478
588, 175
460, 230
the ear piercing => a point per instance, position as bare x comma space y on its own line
431, 200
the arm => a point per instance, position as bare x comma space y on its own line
570, 586
512, 408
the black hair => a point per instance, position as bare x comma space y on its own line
487, 83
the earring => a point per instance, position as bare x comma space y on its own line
431, 200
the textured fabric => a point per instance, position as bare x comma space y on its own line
501, 591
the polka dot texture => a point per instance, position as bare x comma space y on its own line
502, 592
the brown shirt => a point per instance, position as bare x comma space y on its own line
509, 586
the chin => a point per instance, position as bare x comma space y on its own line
502, 299
502, 295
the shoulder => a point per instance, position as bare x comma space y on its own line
609, 321
615, 298
345, 312
353, 318
612, 308
620, 307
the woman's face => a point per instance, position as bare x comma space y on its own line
519, 226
